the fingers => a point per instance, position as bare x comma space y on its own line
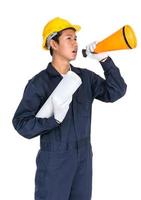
91, 47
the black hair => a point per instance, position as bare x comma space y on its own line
56, 39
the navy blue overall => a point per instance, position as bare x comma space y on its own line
64, 161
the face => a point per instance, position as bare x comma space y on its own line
67, 47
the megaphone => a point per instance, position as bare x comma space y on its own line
124, 38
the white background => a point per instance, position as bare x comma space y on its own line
116, 128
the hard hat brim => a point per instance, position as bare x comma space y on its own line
76, 27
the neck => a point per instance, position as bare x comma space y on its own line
61, 66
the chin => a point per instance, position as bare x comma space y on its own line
73, 58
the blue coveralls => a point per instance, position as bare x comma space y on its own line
64, 161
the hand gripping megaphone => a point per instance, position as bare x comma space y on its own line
124, 38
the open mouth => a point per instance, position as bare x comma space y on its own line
74, 51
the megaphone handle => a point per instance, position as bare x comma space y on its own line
84, 52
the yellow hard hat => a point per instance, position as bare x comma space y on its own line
55, 25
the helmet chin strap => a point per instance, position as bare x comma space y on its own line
49, 38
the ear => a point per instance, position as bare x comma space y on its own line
53, 44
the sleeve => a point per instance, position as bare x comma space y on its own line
112, 87
24, 120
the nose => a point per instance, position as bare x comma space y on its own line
75, 43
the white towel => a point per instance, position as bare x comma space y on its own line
67, 87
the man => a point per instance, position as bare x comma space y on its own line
64, 161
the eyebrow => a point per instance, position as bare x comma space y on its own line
71, 35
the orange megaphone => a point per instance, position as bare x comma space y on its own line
124, 38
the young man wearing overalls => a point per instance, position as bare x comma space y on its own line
64, 161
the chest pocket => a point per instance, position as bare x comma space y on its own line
83, 103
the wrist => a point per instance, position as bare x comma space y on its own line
103, 59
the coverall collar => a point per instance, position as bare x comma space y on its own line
53, 72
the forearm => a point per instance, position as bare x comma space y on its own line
112, 87
30, 127
114, 83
